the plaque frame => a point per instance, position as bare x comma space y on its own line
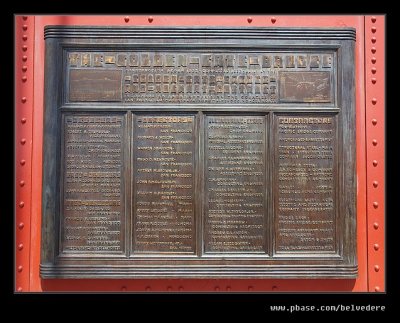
60, 40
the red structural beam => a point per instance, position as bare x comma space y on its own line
375, 148
369, 127
24, 92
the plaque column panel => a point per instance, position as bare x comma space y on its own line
235, 219
93, 196
305, 205
163, 175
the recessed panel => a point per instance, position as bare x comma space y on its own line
306, 183
95, 85
164, 184
93, 195
197, 77
235, 188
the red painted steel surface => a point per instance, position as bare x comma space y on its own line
375, 147
24, 94
367, 151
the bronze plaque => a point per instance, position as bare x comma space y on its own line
199, 153
235, 218
164, 149
93, 201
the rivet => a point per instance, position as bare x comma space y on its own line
375, 204
25, 17
23, 120
374, 122
23, 99
24, 58
180, 288
25, 27
24, 78
373, 19
228, 288
169, 288
148, 289
373, 80
216, 289
123, 288
24, 48
377, 289
373, 40
373, 70
19, 289
373, 60
375, 183
25, 37
21, 183
21, 225
249, 20
376, 247
24, 68
374, 142
274, 287
375, 163
374, 101
20, 246
150, 19
273, 20
21, 204
22, 162
373, 50
20, 268
250, 288
126, 19
23, 141
376, 267
373, 29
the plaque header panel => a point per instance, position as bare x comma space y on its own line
198, 78
199, 152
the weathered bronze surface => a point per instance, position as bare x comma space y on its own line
156, 77
95, 85
93, 196
306, 182
199, 153
305, 87
235, 217
163, 173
